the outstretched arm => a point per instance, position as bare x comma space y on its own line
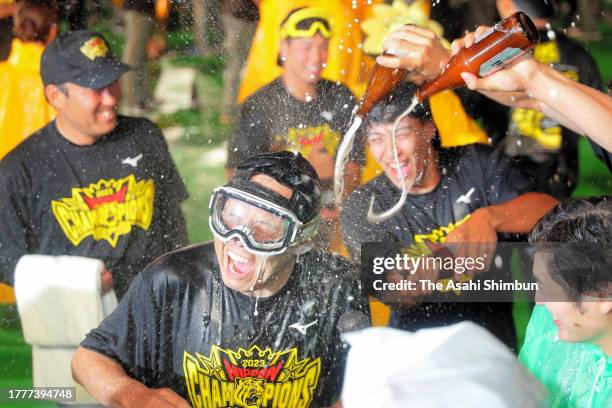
108, 383
527, 83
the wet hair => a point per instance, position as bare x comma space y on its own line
34, 19
289, 169
387, 110
536, 8
576, 239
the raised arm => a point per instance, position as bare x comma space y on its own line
530, 84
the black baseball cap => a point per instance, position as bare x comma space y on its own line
82, 57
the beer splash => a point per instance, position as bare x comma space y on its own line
385, 215
382, 81
342, 158
503, 43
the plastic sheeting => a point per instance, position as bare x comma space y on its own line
458, 365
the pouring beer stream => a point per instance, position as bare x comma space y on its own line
497, 47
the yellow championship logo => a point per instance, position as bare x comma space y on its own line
106, 209
252, 378
94, 47
304, 140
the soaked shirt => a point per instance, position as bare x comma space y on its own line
117, 200
272, 119
180, 327
472, 177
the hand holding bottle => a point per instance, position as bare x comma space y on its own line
417, 50
514, 77
527, 83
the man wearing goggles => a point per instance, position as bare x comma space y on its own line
252, 319
300, 111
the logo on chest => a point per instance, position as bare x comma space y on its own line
253, 378
105, 210
306, 139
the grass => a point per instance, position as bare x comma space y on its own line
201, 181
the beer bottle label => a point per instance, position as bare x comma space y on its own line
499, 61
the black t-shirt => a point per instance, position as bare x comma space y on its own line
180, 327
117, 200
548, 151
272, 119
472, 177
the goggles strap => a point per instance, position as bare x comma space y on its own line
256, 189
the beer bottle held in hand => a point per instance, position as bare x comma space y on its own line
501, 44
498, 46
382, 81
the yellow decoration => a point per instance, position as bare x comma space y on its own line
346, 63
23, 107
454, 125
94, 47
388, 18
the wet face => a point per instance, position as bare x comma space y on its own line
304, 58
84, 114
591, 321
413, 139
240, 269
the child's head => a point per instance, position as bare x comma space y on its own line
573, 262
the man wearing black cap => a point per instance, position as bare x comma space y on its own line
90, 183
466, 194
252, 319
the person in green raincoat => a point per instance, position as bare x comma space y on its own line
568, 345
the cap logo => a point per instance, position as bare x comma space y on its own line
94, 47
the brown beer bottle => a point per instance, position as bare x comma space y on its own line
501, 44
382, 81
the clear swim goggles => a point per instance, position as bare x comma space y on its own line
264, 227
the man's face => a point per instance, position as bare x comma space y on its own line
588, 322
88, 113
413, 139
240, 269
304, 58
